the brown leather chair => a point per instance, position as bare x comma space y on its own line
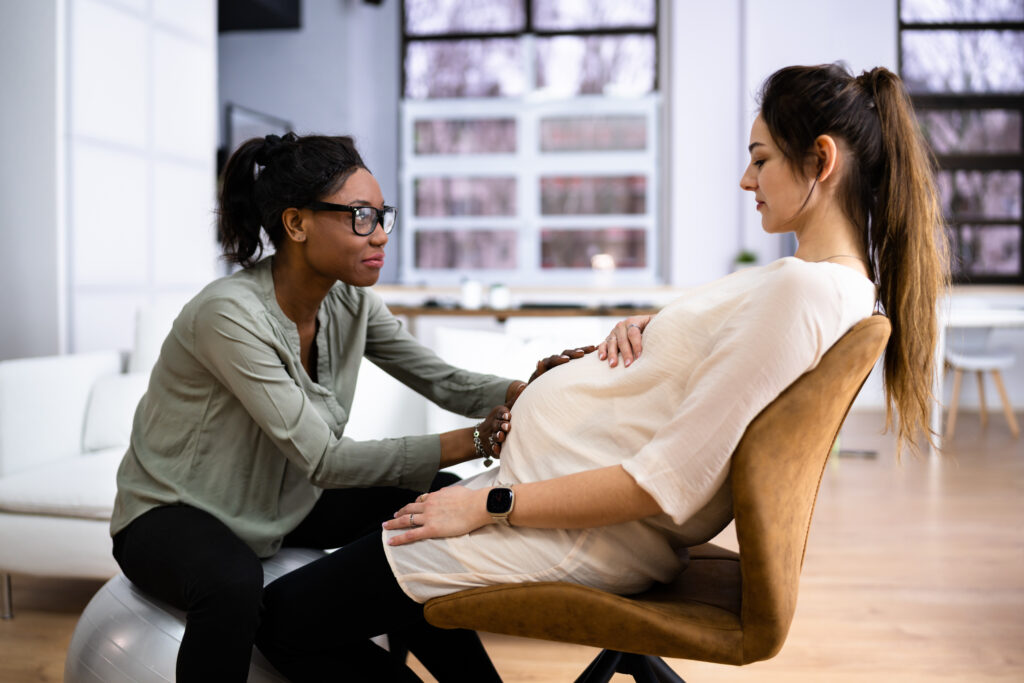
724, 607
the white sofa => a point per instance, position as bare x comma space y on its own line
65, 423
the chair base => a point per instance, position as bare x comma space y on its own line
643, 668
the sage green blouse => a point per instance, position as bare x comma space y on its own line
232, 424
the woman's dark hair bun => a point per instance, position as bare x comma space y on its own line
273, 146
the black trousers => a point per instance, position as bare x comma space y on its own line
191, 560
308, 634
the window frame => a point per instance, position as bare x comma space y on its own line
528, 164
1009, 161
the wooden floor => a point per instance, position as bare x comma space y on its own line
914, 572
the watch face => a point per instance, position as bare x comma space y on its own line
499, 501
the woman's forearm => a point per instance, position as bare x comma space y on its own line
600, 497
457, 446
576, 501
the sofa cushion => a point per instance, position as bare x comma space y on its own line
112, 402
42, 406
81, 486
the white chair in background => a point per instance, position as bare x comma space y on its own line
968, 350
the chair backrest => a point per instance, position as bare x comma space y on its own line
776, 471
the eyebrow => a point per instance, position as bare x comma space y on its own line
752, 145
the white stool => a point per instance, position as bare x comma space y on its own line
968, 351
125, 636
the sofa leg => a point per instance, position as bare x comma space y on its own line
6, 604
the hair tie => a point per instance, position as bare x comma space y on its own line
868, 83
272, 146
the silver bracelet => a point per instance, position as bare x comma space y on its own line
479, 446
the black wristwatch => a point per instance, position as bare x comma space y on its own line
500, 501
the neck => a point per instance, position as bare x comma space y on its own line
832, 238
298, 292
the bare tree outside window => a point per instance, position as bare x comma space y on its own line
592, 133
465, 136
439, 17
963, 63
590, 65
466, 249
448, 196
553, 15
935, 11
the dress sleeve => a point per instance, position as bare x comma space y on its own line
778, 333
242, 355
390, 346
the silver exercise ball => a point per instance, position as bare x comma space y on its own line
124, 636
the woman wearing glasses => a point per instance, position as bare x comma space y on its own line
237, 448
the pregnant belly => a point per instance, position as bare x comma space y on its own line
563, 423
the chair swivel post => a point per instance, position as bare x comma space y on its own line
643, 668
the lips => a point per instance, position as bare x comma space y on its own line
374, 261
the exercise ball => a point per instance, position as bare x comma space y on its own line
125, 636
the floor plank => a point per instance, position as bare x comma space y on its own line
913, 573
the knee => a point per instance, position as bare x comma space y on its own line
444, 479
238, 591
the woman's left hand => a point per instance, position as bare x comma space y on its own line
451, 511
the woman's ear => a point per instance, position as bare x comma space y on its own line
826, 154
294, 225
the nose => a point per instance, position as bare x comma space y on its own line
748, 180
378, 237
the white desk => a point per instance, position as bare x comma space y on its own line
963, 316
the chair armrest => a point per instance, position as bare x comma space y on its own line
42, 406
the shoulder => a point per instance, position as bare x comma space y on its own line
237, 298
814, 285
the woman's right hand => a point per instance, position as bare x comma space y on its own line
626, 338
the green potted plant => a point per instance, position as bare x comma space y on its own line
744, 259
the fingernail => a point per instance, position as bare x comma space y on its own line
626, 363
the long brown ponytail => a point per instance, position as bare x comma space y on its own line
890, 195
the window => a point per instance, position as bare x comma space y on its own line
963, 63
529, 141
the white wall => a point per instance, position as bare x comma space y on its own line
141, 149
339, 74
31, 178
109, 136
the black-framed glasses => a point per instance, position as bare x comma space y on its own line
364, 218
